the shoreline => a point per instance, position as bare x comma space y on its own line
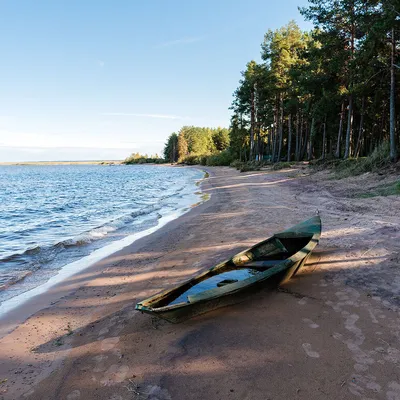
14, 309
89, 162
92, 344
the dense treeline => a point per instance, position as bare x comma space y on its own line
326, 92
137, 158
330, 92
196, 145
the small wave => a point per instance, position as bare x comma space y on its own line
103, 230
88, 237
17, 256
39, 257
7, 281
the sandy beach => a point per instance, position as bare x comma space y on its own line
332, 332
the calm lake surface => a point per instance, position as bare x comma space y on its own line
51, 216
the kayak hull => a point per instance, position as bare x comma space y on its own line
270, 262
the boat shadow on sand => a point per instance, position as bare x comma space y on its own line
127, 321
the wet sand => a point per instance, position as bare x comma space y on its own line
332, 332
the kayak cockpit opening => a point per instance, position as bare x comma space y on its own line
245, 265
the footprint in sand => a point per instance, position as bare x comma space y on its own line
394, 391
30, 392
310, 323
103, 331
75, 395
115, 374
115, 397
99, 358
360, 367
109, 343
311, 353
156, 392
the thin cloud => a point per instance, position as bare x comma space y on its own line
6, 119
176, 42
164, 116
12, 139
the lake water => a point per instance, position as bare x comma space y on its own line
55, 216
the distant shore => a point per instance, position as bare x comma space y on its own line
329, 331
100, 162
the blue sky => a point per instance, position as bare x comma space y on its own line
83, 79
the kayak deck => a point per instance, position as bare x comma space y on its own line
213, 282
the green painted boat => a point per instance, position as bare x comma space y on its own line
272, 261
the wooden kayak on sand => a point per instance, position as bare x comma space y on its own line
277, 258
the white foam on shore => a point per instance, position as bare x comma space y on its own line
85, 262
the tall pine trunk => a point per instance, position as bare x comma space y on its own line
272, 142
297, 136
324, 141
305, 142
280, 129
310, 145
276, 117
339, 139
347, 152
252, 122
301, 138
392, 129
289, 138
259, 140
360, 130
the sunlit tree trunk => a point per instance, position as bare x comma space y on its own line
280, 129
276, 116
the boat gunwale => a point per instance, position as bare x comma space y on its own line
233, 288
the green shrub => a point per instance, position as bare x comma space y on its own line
143, 160
378, 159
224, 158
236, 164
217, 159
282, 165
392, 189
243, 166
191, 160
251, 166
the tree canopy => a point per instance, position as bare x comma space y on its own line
330, 91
